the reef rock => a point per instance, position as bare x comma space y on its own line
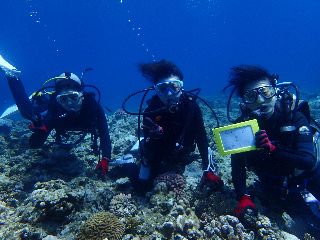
122, 205
53, 200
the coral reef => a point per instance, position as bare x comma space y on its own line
161, 199
226, 227
214, 205
52, 200
41, 197
174, 182
122, 205
122, 132
102, 225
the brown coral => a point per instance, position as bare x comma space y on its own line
174, 182
102, 225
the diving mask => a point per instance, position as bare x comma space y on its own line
70, 100
171, 86
266, 92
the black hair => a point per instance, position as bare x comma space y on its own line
158, 71
241, 75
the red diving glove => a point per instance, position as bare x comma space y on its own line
262, 141
244, 203
154, 129
211, 180
103, 166
41, 128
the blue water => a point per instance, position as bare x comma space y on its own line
203, 37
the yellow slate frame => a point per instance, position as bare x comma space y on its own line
217, 136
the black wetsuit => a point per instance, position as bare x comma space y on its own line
182, 130
294, 152
184, 126
90, 118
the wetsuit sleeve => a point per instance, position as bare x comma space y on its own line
103, 131
38, 138
201, 137
21, 98
239, 173
26, 109
301, 154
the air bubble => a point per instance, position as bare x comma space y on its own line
35, 16
139, 34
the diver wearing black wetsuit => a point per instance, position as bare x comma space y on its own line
89, 118
294, 152
67, 108
172, 127
182, 130
285, 162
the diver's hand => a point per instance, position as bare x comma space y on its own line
8, 69
103, 166
262, 141
211, 180
244, 203
155, 131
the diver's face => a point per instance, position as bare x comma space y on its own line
169, 90
259, 97
70, 100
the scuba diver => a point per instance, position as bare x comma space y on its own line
285, 160
65, 109
172, 127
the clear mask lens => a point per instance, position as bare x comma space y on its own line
173, 87
70, 99
266, 92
